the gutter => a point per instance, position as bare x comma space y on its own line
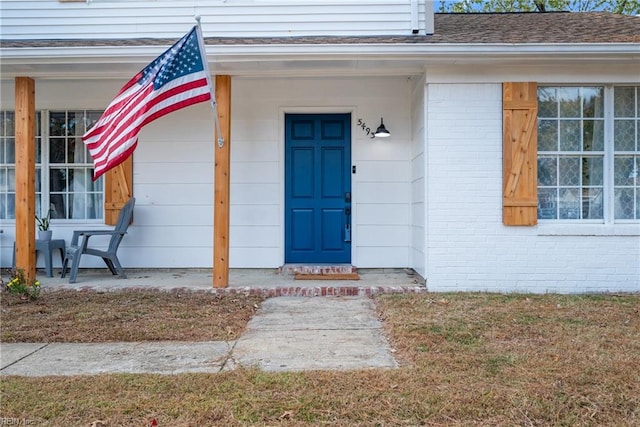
312, 50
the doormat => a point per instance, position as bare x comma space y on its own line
329, 276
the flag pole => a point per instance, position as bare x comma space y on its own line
221, 170
205, 63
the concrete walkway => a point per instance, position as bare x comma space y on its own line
286, 334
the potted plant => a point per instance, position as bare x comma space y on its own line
44, 233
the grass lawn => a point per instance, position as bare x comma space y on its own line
465, 359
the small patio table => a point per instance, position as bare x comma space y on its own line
46, 247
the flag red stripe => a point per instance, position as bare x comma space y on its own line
180, 104
113, 131
147, 104
177, 106
134, 116
108, 124
173, 92
115, 106
115, 161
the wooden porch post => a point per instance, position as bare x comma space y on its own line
222, 163
25, 115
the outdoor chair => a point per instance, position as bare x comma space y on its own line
109, 256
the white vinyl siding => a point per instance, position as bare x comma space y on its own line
104, 19
380, 189
173, 172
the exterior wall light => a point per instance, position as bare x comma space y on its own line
382, 131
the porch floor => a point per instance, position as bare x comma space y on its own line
266, 282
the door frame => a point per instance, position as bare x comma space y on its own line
283, 111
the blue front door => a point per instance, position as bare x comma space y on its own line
318, 188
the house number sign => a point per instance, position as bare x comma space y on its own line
366, 129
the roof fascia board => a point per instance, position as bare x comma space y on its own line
297, 60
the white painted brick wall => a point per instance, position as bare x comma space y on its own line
418, 168
468, 248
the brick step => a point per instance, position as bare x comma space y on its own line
335, 270
320, 291
327, 276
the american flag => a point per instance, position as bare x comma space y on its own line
176, 79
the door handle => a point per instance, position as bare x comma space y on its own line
347, 225
347, 214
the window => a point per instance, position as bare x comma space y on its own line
64, 167
588, 153
7, 165
626, 152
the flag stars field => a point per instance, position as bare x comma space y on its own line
178, 62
